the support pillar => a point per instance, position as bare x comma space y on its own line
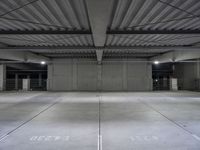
197, 80
198, 69
165, 83
99, 77
2, 77
150, 76
50, 77
16, 81
75, 74
125, 80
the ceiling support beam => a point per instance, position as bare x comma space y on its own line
23, 56
129, 32
47, 49
99, 54
99, 12
2, 44
177, 56
19, 66
35, 32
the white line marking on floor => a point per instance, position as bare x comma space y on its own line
99, 142
169, 119
24, 123
196, 137
3, 137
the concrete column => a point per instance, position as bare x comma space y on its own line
74, 74
16, 81
125, 80
99, 77
40, 79
198, 69
165, 85
197, 79
149, 72
50, 77
2, 77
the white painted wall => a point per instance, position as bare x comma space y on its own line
83, 75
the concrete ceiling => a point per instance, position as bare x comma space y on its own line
36, 30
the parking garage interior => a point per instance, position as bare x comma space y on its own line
99, 74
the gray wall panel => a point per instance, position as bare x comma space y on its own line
62, 83
187, 73
79, 75
62, 75
87, 76
139, 76
112, 77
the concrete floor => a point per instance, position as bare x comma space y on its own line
100, 121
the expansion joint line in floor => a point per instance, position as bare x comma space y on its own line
99, 145
29, 120
172, 121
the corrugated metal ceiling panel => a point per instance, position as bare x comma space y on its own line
71, 55
152, 40
63, 51
48, 15
47, 40
43, 14
156, 15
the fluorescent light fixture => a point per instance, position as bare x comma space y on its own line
42, 62
156, 62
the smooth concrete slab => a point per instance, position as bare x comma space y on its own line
100, 121
136, 121
58, 121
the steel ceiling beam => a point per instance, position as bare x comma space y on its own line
177, 56
99, 55
99, 12
56, 48
129, 32
23, 56
19, 66
2, 44
32, 32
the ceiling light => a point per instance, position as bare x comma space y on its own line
42, 62
156, 62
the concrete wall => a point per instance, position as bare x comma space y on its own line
187, 74
2, 77
82, 75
